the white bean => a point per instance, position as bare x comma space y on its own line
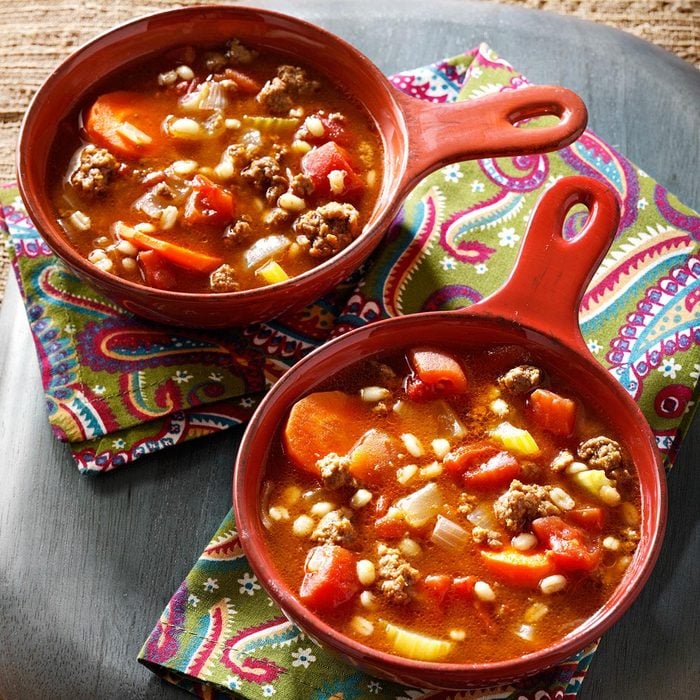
561, 499
412, 444
372, 394
303, 526
279, 513
362, 625
484, 592
360, 498
440, 447
524, 541
321, 508
366, 572
552, 584
409, 547
609, 495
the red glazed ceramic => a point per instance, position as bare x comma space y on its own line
418, 137
536, 308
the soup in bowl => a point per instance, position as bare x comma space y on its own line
218, 182
462, 498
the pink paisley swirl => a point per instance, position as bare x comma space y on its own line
686, 222
249, 668
452, 296
535, 169
163, 641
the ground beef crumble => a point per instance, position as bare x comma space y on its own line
334, 528
521, 504
335, 470
238, 232
224, 279
279, 93
491, 538
265, 175
521, 379
395, 574
95, 170
601, 453
328, 229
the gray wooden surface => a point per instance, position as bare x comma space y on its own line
87, 564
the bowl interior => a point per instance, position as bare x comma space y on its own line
455, 331
79, 77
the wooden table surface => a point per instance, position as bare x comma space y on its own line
87, 564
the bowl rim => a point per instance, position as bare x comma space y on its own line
462, 675
46, 222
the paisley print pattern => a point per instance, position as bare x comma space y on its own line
118, 389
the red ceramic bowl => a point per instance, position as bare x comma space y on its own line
537, 309
418, 137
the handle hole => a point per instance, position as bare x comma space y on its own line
521, 120
575, 221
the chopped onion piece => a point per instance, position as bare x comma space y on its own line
448, 535
526, 632
483, 516
265, 248
421, 506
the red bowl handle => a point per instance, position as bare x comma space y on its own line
486, 127
551, 273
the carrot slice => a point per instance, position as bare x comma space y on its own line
124, 122
518, 569
373, 452
553, 412
324, 422
184, 257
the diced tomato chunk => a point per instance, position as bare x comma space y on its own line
439, 370
333, 130
467, 457
496, 472
591, 519
330, 577
209, 204
553, 412
389, 528
156, 271
570, 547
436, 586
320, 162
463, 587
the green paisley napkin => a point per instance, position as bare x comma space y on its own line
456, 239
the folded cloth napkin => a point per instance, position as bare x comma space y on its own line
118, 388
453, 244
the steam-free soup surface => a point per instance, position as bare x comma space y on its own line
442, 507
215, 170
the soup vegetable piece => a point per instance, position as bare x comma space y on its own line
215, 170
439, 507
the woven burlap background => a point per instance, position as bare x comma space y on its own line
36, 34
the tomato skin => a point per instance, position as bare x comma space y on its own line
209, 204
570, 547
437, 586
330, 577
319, 162
553, 412
439, 370
467, 457
156, 272
591, 519
495, 473
463, 587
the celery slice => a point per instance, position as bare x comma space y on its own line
270, 123
414, 645
272, 272
515, 439
592, 480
